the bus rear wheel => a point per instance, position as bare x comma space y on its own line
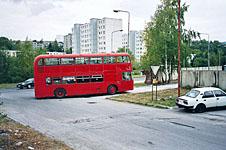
112, 89
60, 93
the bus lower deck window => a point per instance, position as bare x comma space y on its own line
56, 80
48, 80
126, 76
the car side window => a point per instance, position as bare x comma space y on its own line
219, 93
208, 94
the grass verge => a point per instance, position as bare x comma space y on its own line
7, 85
16, 136
165, 98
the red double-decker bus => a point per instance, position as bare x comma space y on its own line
73, 74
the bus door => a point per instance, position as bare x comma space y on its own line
127, 81
124, 68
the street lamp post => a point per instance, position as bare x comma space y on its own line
112, 37
208, 49
116, 11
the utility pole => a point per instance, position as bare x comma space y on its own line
178, 64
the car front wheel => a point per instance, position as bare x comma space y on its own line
29, 86
200, 108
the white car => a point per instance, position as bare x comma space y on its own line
201, 98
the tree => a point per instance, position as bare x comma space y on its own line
54, 47
160, 38
3, 67
200, 50
69, 51
6, 44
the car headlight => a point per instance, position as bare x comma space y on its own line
23, 83
185, 102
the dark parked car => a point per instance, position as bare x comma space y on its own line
29, 83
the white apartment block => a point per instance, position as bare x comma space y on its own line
67, 41
136, 43
40, 44
11, 53
106, 34
96, 36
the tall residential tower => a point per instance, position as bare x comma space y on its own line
95, 36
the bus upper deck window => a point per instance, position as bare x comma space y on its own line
52, 61
40, 62
81, 60
109, 59
123, 59
95, 60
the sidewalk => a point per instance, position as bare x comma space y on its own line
149, 88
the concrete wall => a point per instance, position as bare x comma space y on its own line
222, 81
219, 68
203, 78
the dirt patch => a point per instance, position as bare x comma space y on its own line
14, 136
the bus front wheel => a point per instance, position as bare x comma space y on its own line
60, 93
112, 89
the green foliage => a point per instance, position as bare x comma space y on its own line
69, 51
16, 69
3, 66
161, 39
6, 44
54, 47
200, 51
161, 36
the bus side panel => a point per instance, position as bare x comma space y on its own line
96, 87
41, 90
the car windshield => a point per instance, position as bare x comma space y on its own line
193, 93
29, 80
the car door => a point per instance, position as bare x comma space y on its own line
221, 97
209, 99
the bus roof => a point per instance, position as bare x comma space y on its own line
81, 55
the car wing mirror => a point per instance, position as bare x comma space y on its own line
201, 94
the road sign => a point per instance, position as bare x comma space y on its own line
155, 69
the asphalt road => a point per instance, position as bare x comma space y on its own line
95, 123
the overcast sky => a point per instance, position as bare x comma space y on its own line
44, 19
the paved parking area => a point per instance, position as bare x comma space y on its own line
95, 123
